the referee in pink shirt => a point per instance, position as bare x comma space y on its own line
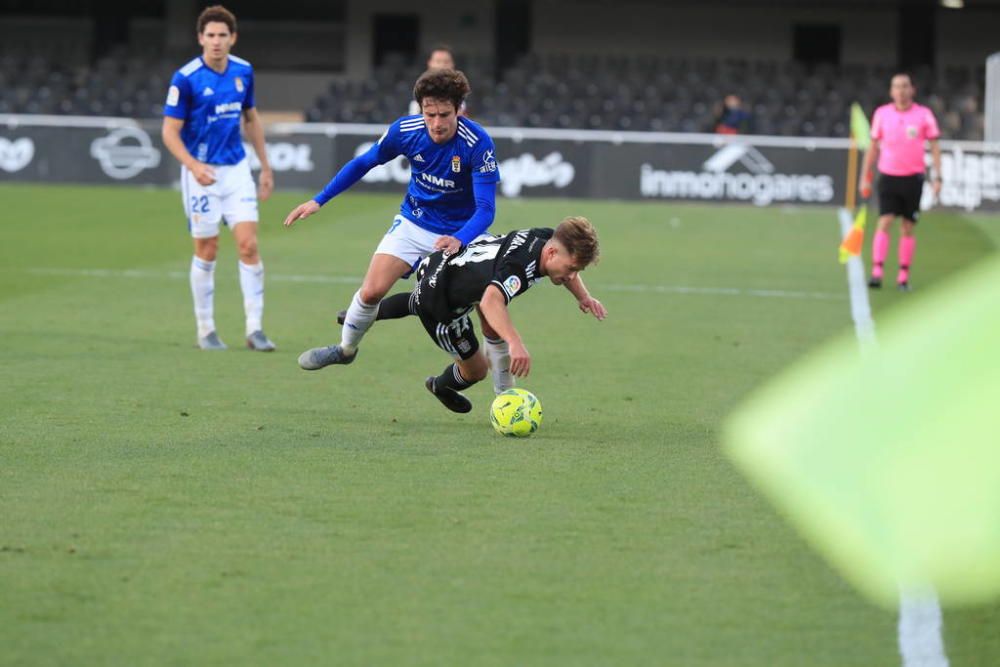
899, 131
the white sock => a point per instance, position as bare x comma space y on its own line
498, 353
203, 290
252, 284
360, 316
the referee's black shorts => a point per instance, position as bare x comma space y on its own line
900, 195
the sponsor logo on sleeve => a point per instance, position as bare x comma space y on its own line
489, 162
511, 285
173, 96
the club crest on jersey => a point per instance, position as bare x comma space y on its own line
239, 84
511, 285
456, 164
911, 132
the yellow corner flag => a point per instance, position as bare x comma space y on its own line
851, 245
861, 131
895, 499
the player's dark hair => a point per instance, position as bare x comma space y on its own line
442, 84
579, 238
216, 14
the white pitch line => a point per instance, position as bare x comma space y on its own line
920, 621
355, 280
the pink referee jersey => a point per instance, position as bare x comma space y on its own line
901, 136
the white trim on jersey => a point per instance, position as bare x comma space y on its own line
467, 134
237, 59
192, 67
411, 125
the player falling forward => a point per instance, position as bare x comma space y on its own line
450, 202
490, 273
201, 128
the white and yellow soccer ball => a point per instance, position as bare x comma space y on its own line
516, 412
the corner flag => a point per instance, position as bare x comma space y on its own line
861, 131
893, 498
851, 245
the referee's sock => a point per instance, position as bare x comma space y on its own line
907, 246
880, 248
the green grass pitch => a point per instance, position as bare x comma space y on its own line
163, 505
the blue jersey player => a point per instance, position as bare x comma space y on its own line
450, 202
201, 128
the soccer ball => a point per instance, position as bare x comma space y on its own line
516, 412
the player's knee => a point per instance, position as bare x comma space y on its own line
206, 249
371, 294
248, 248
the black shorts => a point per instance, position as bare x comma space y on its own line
900, 195
457, 338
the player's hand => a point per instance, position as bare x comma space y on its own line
449, 244
520, 360
203, 173
594, 307
301, 212
266, 184
936, 187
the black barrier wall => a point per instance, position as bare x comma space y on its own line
755, 170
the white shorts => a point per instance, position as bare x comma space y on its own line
409, 242
233, 196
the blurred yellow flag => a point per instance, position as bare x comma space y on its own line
888, 462
860, 129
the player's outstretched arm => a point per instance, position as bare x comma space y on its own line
587, 303
301, 212
494, 309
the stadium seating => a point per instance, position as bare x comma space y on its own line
660, 94
581, 91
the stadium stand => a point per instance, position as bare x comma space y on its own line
578, 91
660, 94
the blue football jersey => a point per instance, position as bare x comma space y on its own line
210, 105
439, 197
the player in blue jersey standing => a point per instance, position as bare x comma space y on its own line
450, 202
201, 128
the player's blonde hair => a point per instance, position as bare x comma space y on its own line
579, 238
216, 14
